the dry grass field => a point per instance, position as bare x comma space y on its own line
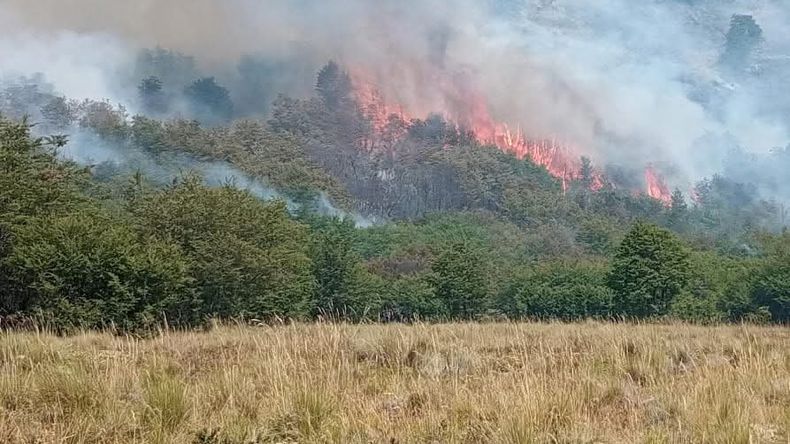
509, 383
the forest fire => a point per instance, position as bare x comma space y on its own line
470, 110
555, 156
558, 158
373, 104
656, 186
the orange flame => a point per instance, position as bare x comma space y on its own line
470, 110
373, 104
656, 186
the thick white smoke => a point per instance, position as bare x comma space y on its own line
619, 79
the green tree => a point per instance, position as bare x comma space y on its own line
650, 268
58, 113
410, 298
289, 116
566, 291
249, 258
677, 213
89, 270
334, 86
692, 308
152, 96
32, 182
210, 101
149, 134
458, 276
771, 284
105, 120
335, 268
598, 235
717, 289
582, 187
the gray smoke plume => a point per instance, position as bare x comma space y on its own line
86, 148
623, 82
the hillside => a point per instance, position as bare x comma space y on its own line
318, 212
393, 162
427, 221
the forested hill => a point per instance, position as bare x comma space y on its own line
318, 210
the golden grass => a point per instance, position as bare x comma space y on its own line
509, 383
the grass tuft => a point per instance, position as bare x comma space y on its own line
455, 383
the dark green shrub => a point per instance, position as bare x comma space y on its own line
249, 258
558, 291
87, 270
650, 268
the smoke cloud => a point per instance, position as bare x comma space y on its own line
86, 148
624, 82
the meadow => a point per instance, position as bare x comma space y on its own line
457, 383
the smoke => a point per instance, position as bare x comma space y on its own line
323, 206
86, 148
81, 65
109, 159
627, 83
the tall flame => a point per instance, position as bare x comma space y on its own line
656, 186
373, 104
470, 110
558, 158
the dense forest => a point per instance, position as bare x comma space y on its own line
316, 212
